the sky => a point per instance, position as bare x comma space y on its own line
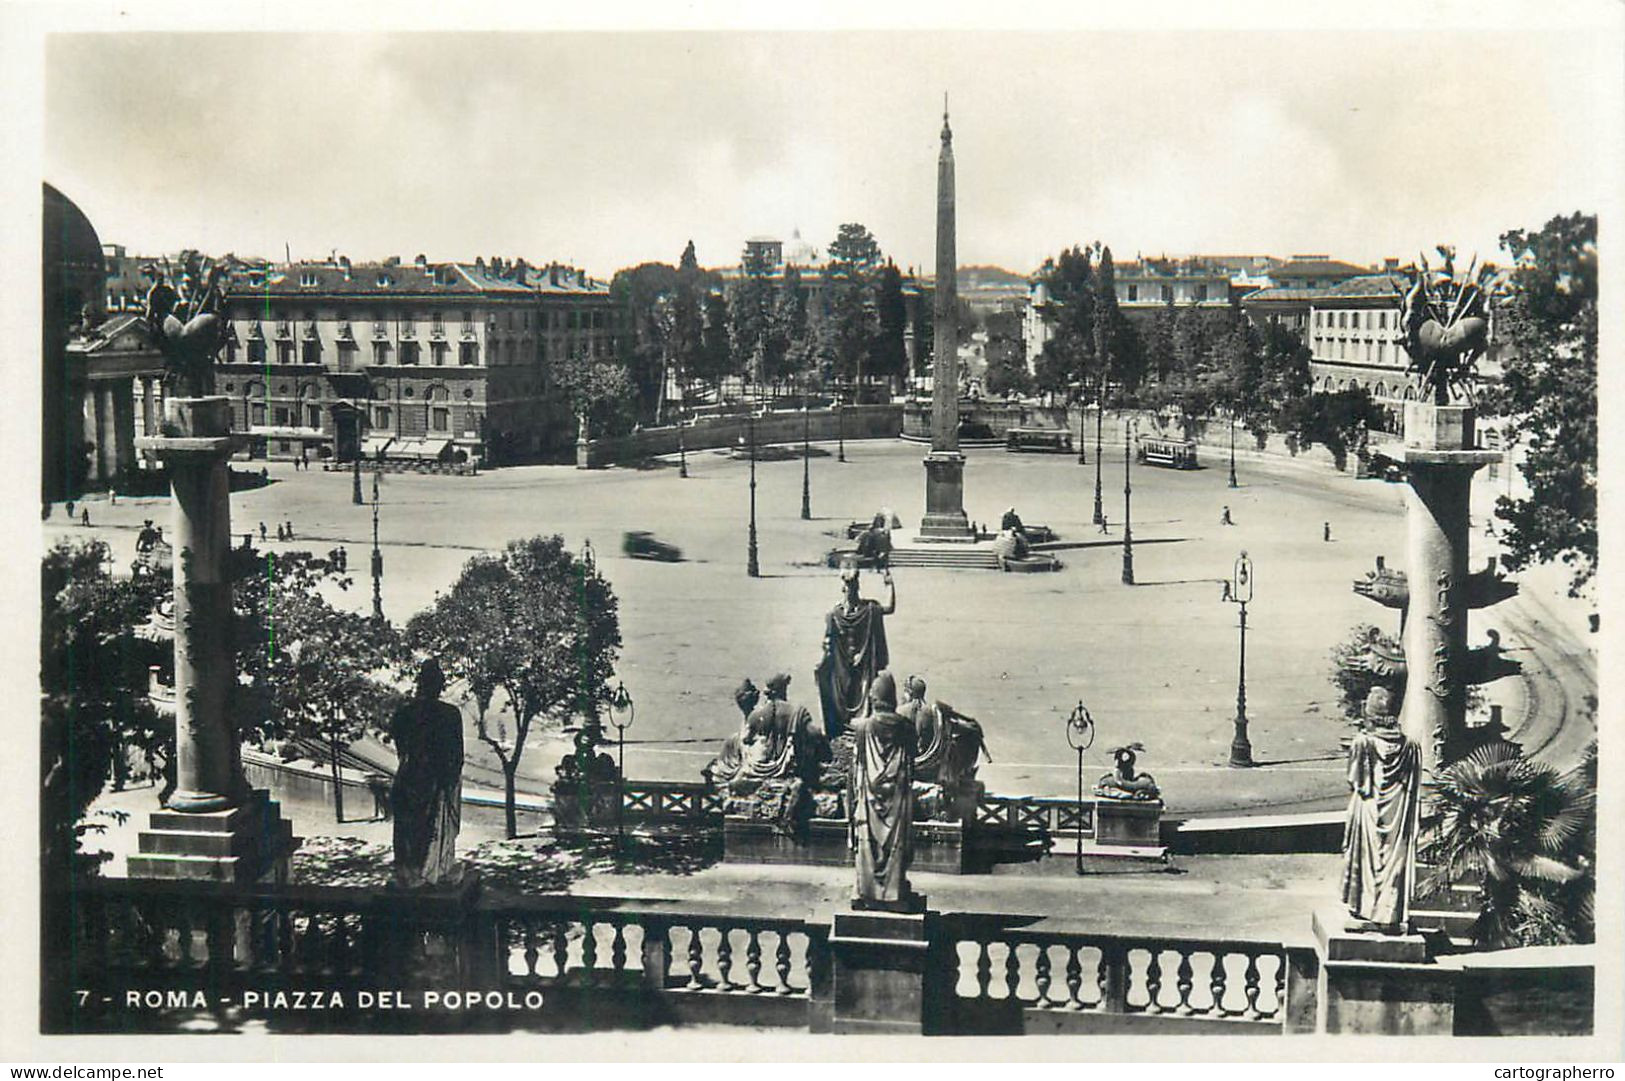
605, 150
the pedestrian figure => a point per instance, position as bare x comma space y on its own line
248, 541
1103, 528
1226, 590
1224, 517
70, 510
290, 529
1326, 531
281, 534
262, 532
84, 517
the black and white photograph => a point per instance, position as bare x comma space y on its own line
1020, 524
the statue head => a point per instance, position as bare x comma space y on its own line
746, 696
431, 680
883, 693
915, 686
779, 685
849, 579
1379, 706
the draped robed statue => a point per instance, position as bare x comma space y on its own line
882, 800
1379, 840
854, 652
426, 798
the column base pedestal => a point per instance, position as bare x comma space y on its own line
879, 971
242, 844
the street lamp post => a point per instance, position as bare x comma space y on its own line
377, 554
622, 711
840, 429
1241, 592
1233, 450
752, 567
1080, 734
1128, 490
355, 489
806, 432
1100, 412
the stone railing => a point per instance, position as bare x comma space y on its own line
1036, 814
853, 422
1072, 980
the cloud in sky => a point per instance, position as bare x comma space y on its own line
609, 149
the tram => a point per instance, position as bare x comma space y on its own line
1169, 453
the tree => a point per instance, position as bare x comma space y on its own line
1118, 354
888, 354
318, 671
1528, 833
1008, 378
1338, 421
597, 389
535, 623
686, 339
1283, 379
640, 291
853, 256
1549, 395
1067, 358
715, 359
854, 252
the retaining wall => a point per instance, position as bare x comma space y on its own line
709, 433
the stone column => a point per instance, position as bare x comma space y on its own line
1440, 458
106, 432
214, 827
149, 416
91, 432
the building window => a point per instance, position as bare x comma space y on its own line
468, 353
409, 352
1167, 295
257, 413
381, 416
313, 416
281, 415
284, 352
1133, 293
380, 352
437, 353
1201, 292
442, 420
437, 321
312, 351
347, 356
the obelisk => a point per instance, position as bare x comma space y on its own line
945, 467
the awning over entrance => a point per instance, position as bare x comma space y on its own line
373, 444
419, 449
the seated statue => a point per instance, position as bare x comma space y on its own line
779, 741
874, 543
764, 774
1123, 782
726, 766
1012, 522
948, 743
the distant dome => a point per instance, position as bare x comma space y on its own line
71, 261
799, 252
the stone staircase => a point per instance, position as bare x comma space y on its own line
961, 556
237, 845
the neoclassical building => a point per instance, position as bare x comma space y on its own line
444, 362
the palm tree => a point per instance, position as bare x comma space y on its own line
1527, 832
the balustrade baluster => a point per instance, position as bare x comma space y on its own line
725, 960
1252, 986
984, 969
589, 950
183, 937
617, 948
1184, 983
561, 949
1280, 986
1218, 984
753, 960
284, 940
1012, 971
152, 943
1041, 976
1074, 979
782, 955
1153, 981
532, 952
696, 958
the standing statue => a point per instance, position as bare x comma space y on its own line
854, 652
881, 800
187, 320
427, 795
1444, 334
949, 743
1379, 841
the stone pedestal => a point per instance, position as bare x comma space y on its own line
1440, 458
945, 517
880, 971
1128, 828
213, 825
1371, 983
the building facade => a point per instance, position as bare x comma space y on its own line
445, 362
